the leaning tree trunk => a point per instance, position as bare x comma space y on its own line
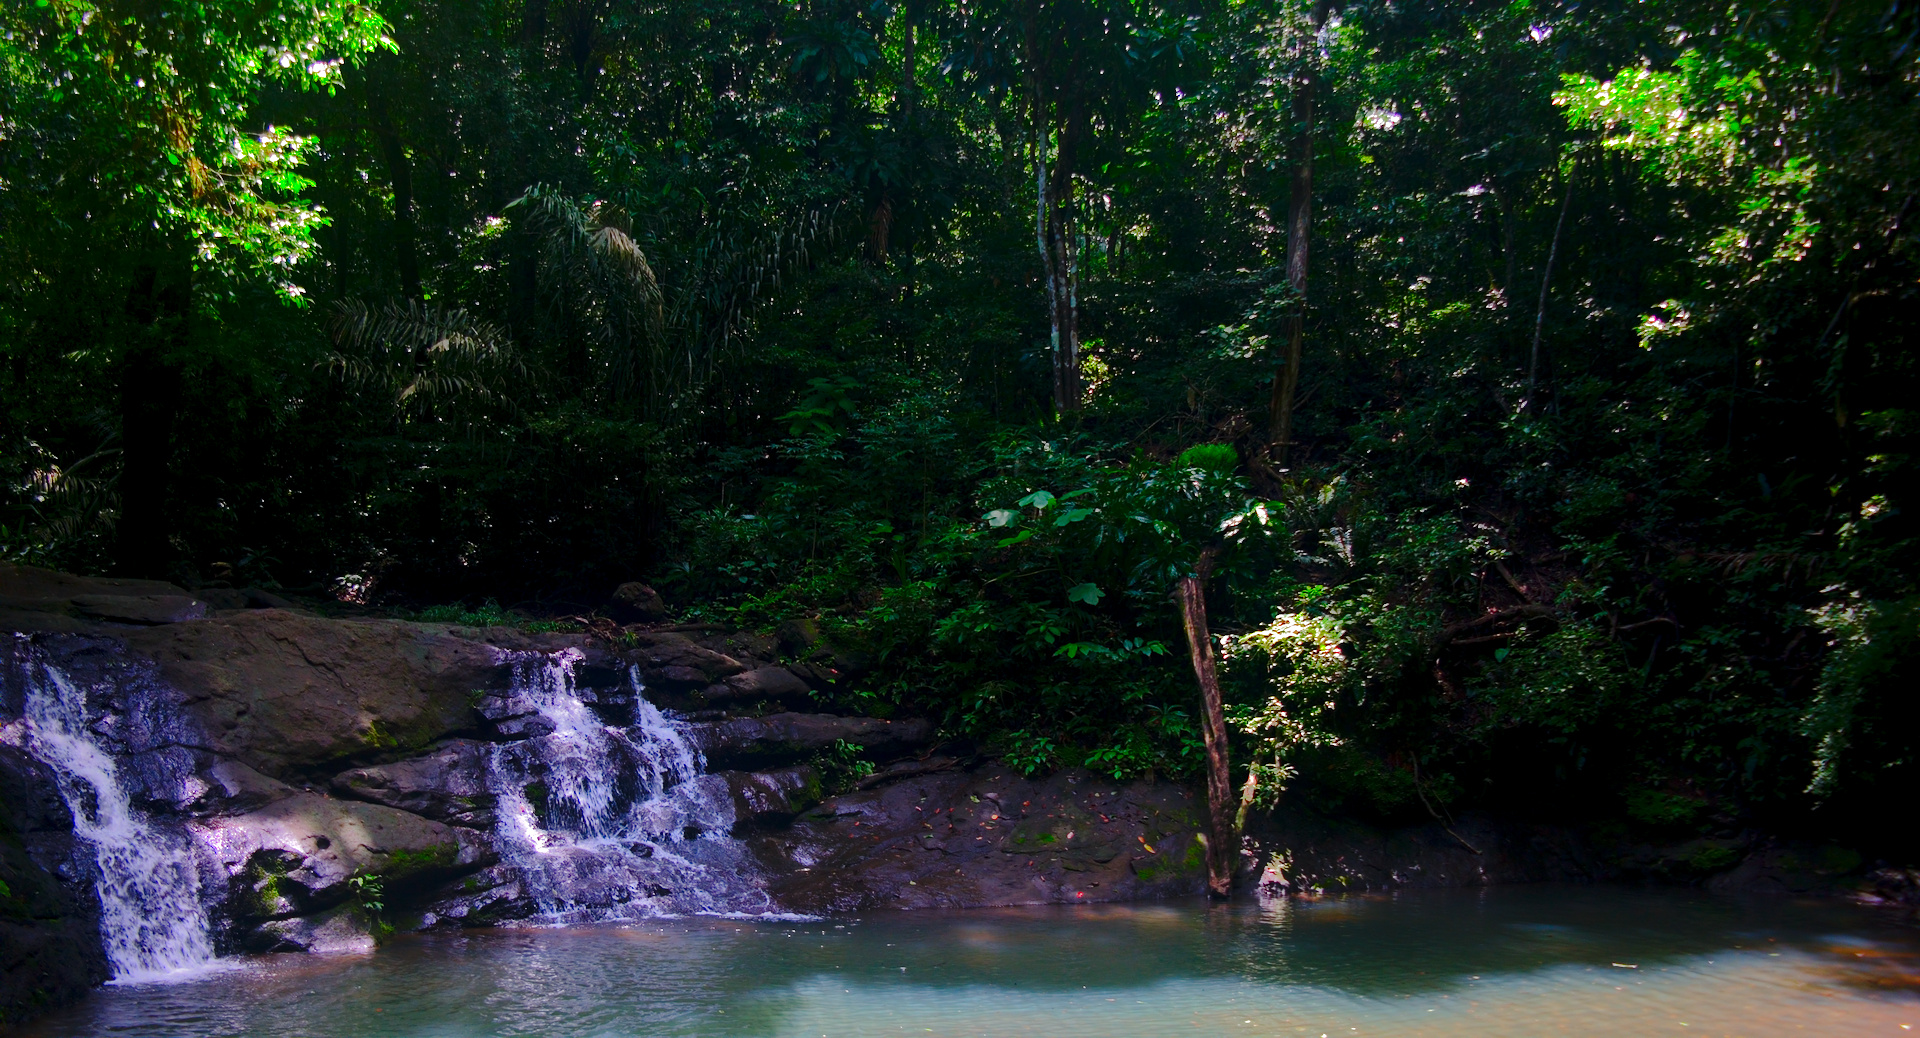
1221, 835
1286, 381
1540, 313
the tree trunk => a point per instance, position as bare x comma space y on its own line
400, 175
1286, 382
1067, 260
160, 304
1221, 839
1540, 314
1054, 229
1043, 228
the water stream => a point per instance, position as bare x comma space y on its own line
612, 821
1530, 961
152, 921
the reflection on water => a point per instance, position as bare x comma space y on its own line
1527, 961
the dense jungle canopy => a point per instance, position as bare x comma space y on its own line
1528, 386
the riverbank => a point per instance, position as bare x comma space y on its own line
270, 780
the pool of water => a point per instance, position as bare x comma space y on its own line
1536, 961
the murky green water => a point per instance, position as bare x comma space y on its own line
1525, 961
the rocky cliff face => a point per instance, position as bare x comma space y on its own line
331, 779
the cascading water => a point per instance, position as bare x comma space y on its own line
151, 917
610, 822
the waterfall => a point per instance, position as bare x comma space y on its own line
151, 918
608, 822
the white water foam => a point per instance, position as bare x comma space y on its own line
151, 918
607, 822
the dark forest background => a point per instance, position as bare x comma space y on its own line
954, 335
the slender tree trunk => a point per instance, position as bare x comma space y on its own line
1221, 839
518, 174
1540, 313
1049, 271
1286, 382
908, 87
400, 175
1066, 265
160, 304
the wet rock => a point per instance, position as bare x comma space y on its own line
288, 694
492, 895
512, 717
447, 785
634, 602
230, 787
765, 683
50, 950
295, 856
1894, 890
673, 661
786, 738
344, 929
772, 797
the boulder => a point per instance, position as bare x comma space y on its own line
447, 785
293, 696
295, 856
512, 716
772, 797
230, 787
786, 738
765, 683
673, 661
344, 929
50, 951
634, 602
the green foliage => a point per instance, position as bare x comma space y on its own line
1875, 656
767, 335
841, 766
1662, 809
369, 892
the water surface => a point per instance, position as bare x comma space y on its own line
1524, 961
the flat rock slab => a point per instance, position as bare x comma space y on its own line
35, 599
289, 694
141, 609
